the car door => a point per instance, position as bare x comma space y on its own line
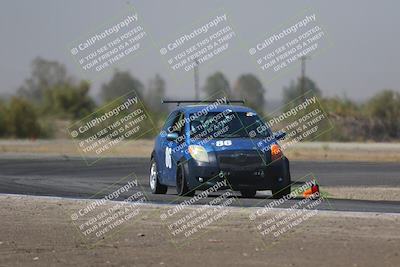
172, 149
165, 151
160, 146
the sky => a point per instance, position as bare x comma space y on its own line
361, 60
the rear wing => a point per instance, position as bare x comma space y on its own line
178, 102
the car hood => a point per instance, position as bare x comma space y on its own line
232, 144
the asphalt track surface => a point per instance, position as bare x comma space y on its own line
73, 178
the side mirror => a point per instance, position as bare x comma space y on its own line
280, 135
172, 136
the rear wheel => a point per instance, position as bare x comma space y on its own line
248, 193
155, 186
181, 183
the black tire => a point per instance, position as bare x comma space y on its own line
248, 193
281, 190
155, 186
182, 188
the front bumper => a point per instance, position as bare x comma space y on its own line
247, 174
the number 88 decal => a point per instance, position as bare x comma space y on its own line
223, 143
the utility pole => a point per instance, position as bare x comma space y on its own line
303, 76
196, 79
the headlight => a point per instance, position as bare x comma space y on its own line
199, 153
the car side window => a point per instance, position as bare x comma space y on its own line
179, 124
170, 120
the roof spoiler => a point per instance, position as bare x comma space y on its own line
178, 102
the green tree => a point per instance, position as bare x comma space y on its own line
69, 101
341, 107
120, 84
22, 119
294, 91
3, 117
248, 87
384, 110
348, 120
217, 86
45, 74
155, 94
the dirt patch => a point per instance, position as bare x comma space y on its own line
37, 231
369, 152
364, 193
134, 148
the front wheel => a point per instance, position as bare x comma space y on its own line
182, 188
283, 188
155, 186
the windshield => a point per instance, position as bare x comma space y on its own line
228, 124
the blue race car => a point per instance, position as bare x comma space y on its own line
201, 145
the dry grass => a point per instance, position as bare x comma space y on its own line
372, 152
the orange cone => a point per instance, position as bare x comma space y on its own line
313, 191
